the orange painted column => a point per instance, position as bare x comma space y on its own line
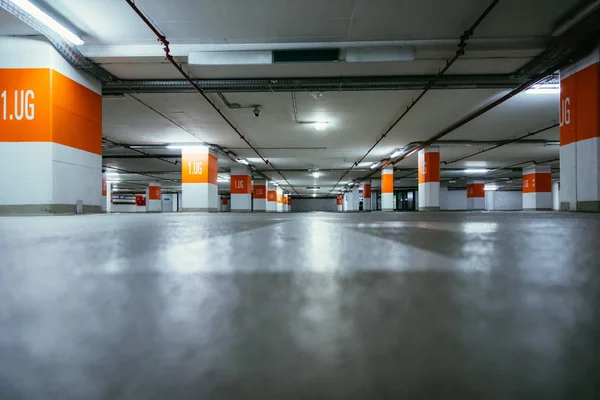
429, 179
340, 202
537, 188
387, 189
260, 196
271, 197
225, 204
286, 205
199, 187
367, 196
50, 131
580, 135
476, 195
241, 189
279, 199
104, 193
154, 197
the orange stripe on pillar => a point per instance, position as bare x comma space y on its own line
387, 183
42, 105
429, 167
475, 190
198, 167
154, 192
241, 184
367, 190
272, 195
260, 191
579, 115
537, 183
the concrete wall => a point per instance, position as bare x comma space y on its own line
503, 201
307, 204
453, 199
124, 208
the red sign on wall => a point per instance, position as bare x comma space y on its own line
140, 200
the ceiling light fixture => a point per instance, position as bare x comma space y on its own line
490, 187
375, 165
320, 126
316, 174
476, 171
222, 180
396, 153
47, 20
451, 181
242, 161
544, 89
186, 146
314, 195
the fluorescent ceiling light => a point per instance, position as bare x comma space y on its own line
451, 181
316, 174
242, 161
186, 146
47, 20
320, 126
375, 165
490, 187
544, 89
475, 171
314, 195
396, 154
222, 180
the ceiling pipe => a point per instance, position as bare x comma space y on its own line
229, 154
236, 106
481, 111
575, 18
459, 52
501, 144
163, 40
295, 107
128, 147
576, 43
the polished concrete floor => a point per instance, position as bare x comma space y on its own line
300, 306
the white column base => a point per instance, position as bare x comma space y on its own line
387, 202
429, 196
476, 203
241, 203
200, 197
537, 201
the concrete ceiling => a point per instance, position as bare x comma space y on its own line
514, 33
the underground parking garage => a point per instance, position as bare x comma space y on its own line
299, 199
